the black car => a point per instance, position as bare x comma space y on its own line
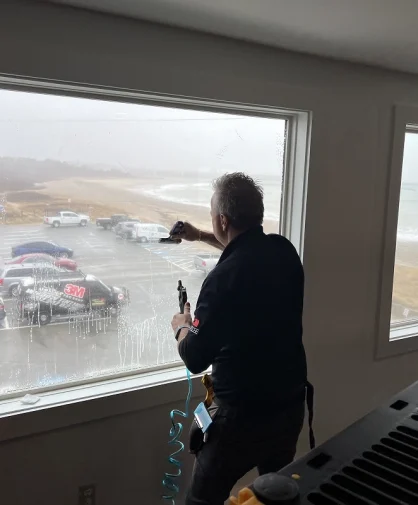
76, 295
110, 222
43, 247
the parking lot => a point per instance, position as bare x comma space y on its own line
33, 356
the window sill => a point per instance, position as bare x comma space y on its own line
80, 404
406, 330
403, 338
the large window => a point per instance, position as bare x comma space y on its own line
398, 309
88, 188
405, 282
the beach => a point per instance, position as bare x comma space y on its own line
147, 199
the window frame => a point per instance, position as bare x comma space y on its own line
401, 337
132, 383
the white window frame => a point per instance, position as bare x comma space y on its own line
400, 337
125, 392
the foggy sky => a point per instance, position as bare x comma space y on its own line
135, 137
410, 158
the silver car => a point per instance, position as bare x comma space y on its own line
12, 275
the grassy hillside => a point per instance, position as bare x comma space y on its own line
17, 174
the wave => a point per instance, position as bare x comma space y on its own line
179, 193
200, 193
407, 235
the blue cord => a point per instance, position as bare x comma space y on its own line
170, 479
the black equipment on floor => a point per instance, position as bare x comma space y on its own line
372, 462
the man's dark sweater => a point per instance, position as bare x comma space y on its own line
248, 323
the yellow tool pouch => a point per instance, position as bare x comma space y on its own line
196, 436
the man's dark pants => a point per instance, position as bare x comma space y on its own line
239, 442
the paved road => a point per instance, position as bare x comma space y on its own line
39, 356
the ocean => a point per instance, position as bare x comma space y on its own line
408, 213
199, 193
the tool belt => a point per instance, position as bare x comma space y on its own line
196, 436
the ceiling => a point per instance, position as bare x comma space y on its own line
376, 32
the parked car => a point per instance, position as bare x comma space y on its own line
66, 218
2, 309
42, 247
126, 229
12, 275
36, 258
110, 222
206, 262
150, 232
76, 295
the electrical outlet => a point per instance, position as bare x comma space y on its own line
87, 495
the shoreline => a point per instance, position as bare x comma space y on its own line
103, 198
181, 189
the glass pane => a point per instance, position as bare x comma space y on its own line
105, 163
405, 285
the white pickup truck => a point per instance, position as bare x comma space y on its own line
66, 218
206, 262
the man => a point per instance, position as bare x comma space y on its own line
248, 326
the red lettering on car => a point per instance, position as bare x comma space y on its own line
76, 291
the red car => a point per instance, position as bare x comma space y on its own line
43, 258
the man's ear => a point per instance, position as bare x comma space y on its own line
224, 222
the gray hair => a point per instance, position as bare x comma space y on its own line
240, 199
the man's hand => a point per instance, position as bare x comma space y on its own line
189, 233
181, 320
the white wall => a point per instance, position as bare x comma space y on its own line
352, 108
